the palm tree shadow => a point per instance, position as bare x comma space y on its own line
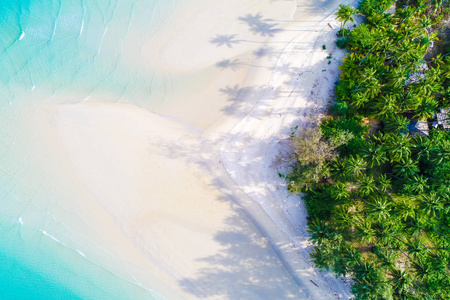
252, 20
242, 98
236, 93
243, 268
260, 26
225, 40
233, 64
265, 29
268, 52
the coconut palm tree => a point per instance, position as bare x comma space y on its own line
365, 231
398, 76
422, 268
421, 147
345, 14
387, 258
386, 105
379, 208
401, 282
405, 209
398, 146
359, 99
355, 165
340, 191
339, 171
414, 226
384, 183
318, 230
415, 248
406, 168
396, 123
418, 184
372, 88
431, 205
366, 185
342, 218
375, 155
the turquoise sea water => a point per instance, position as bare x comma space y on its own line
54, 51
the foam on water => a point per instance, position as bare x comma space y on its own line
54, 51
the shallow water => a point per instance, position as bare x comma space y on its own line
52, 52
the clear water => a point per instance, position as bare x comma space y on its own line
54, 51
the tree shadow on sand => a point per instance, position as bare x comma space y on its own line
233, 64
225, 40
243, 98
268, 52
244, 268
260, 26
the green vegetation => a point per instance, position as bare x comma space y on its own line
378, 196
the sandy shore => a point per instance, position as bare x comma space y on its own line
186, 197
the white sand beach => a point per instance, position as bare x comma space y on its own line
186, 198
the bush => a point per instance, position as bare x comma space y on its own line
311, 152
320, 203
329, 126
370, 7
343, 32
353, 147
362, 38
342, 43
342, 109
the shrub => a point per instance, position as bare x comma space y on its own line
343, 32
311, 152
320, 203
353, 125
342, 43
370, 7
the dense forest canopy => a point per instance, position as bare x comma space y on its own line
377, 185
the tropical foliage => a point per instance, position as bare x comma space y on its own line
379, 204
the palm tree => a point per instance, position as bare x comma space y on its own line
431, 204
318, 230
384, 182
406, 209
421, 147
415, 248
355, 165
384, 232
425, 23
375, 155
419, 183
398, 77
379, 208
414, 226
426, 109
423, 269
344, 14
339, 171
342, 218
387, 258
398, 146
372, 88
366, 232
359, 99
386, 105
401, 282
340, 191
396, 123
406, 168
351, 256
366, 185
